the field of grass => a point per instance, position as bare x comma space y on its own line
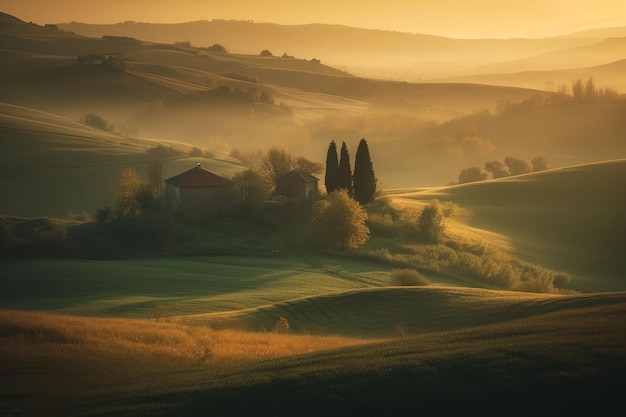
176, 286
566, 355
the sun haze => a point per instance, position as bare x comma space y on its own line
453, 18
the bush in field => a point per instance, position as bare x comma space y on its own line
431, 222
97, 122
408, 278
341, 221
282, 326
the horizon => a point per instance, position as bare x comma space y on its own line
448, 18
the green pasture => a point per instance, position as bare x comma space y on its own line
150, 288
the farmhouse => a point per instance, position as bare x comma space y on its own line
199, 194
297, 185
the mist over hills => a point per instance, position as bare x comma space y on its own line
364, 52
422, 134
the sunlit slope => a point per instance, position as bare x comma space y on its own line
570, 219
568, 361
70, 166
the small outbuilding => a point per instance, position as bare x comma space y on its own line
297, 185
199, 194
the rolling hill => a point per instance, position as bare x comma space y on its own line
568, 219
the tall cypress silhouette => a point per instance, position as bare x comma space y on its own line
345, 171
364, 179
332, 168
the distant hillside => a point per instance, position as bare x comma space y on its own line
365, 52
608, 75
599, 53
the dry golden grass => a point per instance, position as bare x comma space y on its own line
45, 335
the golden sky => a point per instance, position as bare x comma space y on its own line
455, 18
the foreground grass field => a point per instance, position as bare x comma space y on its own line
566, 360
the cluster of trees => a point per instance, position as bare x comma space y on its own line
340, 216
587, 90
498, 169
362, 183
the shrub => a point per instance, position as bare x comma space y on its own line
341, 221
431, 222
408, 278
382, 225
282, 326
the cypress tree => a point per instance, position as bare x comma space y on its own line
332, 168
345, 171
364, 179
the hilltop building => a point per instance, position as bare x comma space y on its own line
199, 194
297, 185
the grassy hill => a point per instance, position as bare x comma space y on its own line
568, 219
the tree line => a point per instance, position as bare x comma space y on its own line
511, 166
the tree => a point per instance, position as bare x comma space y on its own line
540, 163
578, 89
308, 166
344, 177
274, 163
341, 221
517, 166
590, 89
331, 179
364, 180
431, 222
250, 186
134, 196
497, 169
471, 174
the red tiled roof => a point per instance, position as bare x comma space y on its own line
198, 177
